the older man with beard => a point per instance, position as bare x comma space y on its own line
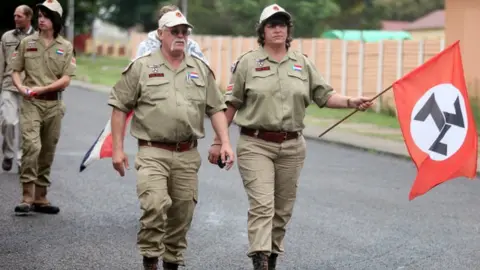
169, 92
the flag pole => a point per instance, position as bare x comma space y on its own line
352, 113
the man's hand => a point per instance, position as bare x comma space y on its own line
227, 155
37, 90
214, 153
361, 103
120, 161
25, 92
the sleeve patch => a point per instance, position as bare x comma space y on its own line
234, 66
229, 89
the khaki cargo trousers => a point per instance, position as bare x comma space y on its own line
40, 125
270, 173
167, 188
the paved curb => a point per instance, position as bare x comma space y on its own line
350, 145
335, 137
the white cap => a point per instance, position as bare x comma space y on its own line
173, 18
271, 10
53, 5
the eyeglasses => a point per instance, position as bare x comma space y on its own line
176, 31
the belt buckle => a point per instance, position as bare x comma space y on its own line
285, 135
177, 146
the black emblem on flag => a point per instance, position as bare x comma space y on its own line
443, 120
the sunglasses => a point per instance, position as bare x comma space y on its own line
176, 31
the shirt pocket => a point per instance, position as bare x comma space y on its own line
56, 64
10, 48
33, 62
196, 90
299, 86
156, 91
262, 83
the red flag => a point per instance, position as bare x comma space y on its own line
436, 120
102, 147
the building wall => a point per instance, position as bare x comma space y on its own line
462, 22
427, 34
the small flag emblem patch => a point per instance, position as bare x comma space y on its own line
193, 75
297, 67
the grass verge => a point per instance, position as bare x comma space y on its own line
367, 117
101, 70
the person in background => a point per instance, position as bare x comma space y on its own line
152, 42
10, 98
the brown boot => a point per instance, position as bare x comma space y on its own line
150, 263
272, 261
169, 266
260, 261
27, 199
41, 204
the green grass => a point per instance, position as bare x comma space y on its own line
103, 70
106, 71
367, 117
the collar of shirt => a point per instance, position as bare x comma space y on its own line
18, 31
264, 55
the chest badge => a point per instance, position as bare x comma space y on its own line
60, 52
262, 68
260, 62
297, 67
31, 46
155, 72
193, 75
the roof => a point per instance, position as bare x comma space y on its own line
394, 25
435, 19
366, 35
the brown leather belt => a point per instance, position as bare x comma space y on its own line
270, 136
176, 147
50, 96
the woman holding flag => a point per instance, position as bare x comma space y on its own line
48, 62
269, 91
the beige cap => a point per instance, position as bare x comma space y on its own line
53, 5
173, 18
271, 10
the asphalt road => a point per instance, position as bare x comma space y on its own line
352, 212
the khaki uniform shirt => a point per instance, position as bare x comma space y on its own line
169, 105
273, 96
43, 65
9, 42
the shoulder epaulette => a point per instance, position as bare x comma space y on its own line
234, 65
135, 59
194, 56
